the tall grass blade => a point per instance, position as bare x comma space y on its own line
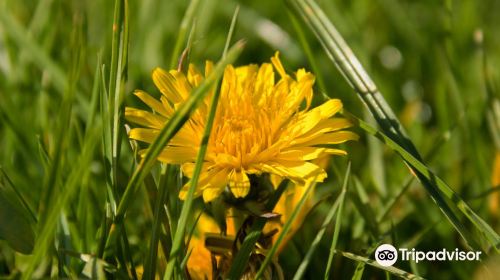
150, 262
179, 117
231, 31
285, 229
338, 222
328, 219
117, 78
186, 207
186, 22
47, 229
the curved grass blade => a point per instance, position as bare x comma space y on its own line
351, 68
187, 20
47, 229
186, 207
179, 117
338, 222
390, 269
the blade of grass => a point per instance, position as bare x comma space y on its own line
338, 223
358, 272
150, 262
183, 263
390, 269
178, 236
94, 100
168, 179
270, 254
54, 202
394, 199
187, 20
179, 117
117, 78
47, 229
389, 205
328, 219
128, 254
188, 202
231, 31
361, 202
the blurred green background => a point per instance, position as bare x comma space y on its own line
435, 62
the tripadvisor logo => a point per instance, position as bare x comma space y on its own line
387, 255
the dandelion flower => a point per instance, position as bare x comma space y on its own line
262, 125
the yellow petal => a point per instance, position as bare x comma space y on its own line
181, 84
178, 155
144, 118
329, 138
276, 180
324, 126
331, 124
165, 82
329, 108
143, 134
277, 64
239, 183
154, 104
308, 153
194, 76
197, 192
215, 185
188, 168
199, 263
306, 123
494, 200
210, 184
264, 83
298, 171
306, 79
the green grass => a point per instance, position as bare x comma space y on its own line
419, 79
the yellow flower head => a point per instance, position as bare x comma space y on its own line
261, 126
